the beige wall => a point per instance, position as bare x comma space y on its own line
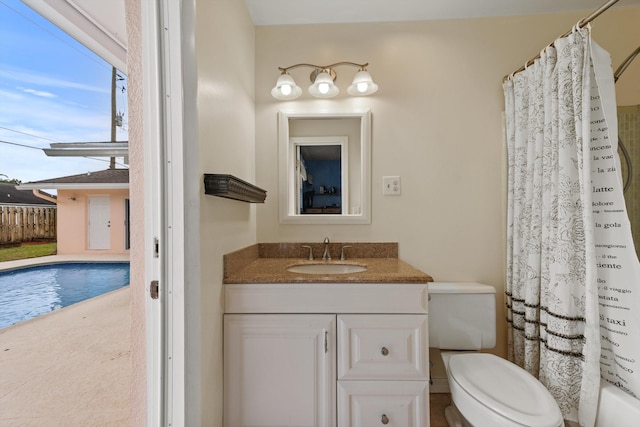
226, 144
437, 122
73, 227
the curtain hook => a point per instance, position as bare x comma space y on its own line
580, 25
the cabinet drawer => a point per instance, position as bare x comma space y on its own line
382, 347
383, 403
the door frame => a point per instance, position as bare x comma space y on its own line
172, 198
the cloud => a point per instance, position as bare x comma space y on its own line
28, 78
41, 93
55, 118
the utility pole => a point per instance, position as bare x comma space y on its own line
114, 73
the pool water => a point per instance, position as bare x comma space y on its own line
29, 292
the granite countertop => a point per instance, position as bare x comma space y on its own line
268, 263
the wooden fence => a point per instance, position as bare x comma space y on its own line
26, 223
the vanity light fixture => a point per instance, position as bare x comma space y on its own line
322, 79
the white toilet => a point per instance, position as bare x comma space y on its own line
486, 390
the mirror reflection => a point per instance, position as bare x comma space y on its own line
324, 168
321, 166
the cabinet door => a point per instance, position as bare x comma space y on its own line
383, 347
383, 403
279, 370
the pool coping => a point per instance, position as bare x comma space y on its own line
56, 259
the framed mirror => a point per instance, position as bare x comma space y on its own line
325, 168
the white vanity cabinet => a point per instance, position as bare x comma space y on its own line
325, 355
279, 370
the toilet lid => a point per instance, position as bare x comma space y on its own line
505, 388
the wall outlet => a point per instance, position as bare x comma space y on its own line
391, 185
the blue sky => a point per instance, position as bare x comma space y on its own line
52, 89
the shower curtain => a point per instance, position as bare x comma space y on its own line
552, 301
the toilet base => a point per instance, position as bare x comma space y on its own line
454, 417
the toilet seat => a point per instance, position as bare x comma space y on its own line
491, 391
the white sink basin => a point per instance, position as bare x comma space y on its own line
326, 268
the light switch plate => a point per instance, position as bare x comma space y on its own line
391, 185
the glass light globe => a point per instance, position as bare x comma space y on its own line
286, 88
323, 86
362, 84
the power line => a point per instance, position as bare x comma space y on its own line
105, 160
19, 145
28, 134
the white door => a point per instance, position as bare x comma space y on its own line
279, 370
99, 223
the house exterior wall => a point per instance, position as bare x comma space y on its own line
139, 295
73, 227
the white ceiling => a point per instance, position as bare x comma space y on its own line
289, 12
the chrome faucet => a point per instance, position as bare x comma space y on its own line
325, 255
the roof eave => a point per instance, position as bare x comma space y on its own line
73, 186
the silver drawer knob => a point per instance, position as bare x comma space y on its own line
385, 419
384, 351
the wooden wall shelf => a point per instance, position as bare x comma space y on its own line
230, 187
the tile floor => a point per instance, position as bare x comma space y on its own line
438, 402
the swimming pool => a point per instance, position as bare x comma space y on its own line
29, 292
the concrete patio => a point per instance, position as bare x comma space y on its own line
70, 367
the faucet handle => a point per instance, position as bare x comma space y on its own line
342, 255
310, 258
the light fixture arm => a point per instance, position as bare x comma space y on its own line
323, 67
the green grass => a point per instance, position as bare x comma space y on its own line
23, 251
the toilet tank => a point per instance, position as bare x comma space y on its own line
462, 315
